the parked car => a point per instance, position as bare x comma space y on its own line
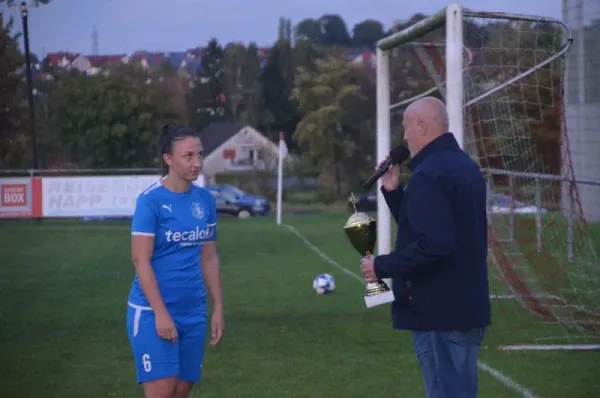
232, 200
503, 204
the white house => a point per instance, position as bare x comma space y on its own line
236, 147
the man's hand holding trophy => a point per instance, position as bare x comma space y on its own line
361, 229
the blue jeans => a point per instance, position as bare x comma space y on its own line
448, 361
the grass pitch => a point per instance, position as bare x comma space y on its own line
63, 291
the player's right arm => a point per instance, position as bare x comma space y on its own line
143, 230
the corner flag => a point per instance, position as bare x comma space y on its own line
283, 151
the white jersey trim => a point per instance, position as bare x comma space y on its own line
137, 315
142, 233
153, 186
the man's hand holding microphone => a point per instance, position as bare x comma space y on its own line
389, 172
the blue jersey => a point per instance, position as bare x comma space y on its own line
180, 224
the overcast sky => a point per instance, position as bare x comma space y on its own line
125, 26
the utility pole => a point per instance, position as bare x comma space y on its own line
33, 131
95, 42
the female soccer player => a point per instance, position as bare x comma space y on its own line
174, 252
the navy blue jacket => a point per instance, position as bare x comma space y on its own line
439, 265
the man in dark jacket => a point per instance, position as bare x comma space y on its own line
439, 265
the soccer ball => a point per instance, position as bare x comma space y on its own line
324, 284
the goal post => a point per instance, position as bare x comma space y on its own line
451, 17
501, 78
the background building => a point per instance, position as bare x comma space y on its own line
582, 102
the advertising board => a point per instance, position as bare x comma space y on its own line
90, 196
18, 199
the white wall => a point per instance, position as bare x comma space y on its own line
582, 105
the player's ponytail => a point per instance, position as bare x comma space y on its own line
164, 144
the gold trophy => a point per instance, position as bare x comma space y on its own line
361, 230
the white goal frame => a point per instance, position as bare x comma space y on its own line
453, 90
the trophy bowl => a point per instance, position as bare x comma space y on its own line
361, 230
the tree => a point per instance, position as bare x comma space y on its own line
367, 33
253, 110
309, 30
335, 31
306, 53
284, 31
328, 30
336, 121
107, 121
241, 68
13, 137
207, 100
277, 80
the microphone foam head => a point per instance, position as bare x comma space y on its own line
399, 154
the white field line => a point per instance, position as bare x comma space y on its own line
498, 375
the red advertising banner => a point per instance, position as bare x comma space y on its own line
20, 197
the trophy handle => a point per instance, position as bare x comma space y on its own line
353, 201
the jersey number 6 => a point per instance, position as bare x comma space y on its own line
147, 363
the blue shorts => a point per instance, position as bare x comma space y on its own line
156, 358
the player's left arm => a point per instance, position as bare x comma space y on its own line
431, 217
212, 273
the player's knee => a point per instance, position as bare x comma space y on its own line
163, 388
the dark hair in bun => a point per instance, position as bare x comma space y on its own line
170, 133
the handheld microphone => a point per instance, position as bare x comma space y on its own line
397, 155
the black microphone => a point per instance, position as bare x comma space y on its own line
397, 155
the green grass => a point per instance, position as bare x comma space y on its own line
63, 290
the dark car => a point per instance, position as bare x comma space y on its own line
233, 201
366, 202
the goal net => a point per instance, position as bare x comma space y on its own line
501, 77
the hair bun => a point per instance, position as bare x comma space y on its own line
169, 129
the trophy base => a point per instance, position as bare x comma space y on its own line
378, 299
378, 293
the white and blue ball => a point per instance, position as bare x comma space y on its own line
323, 284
